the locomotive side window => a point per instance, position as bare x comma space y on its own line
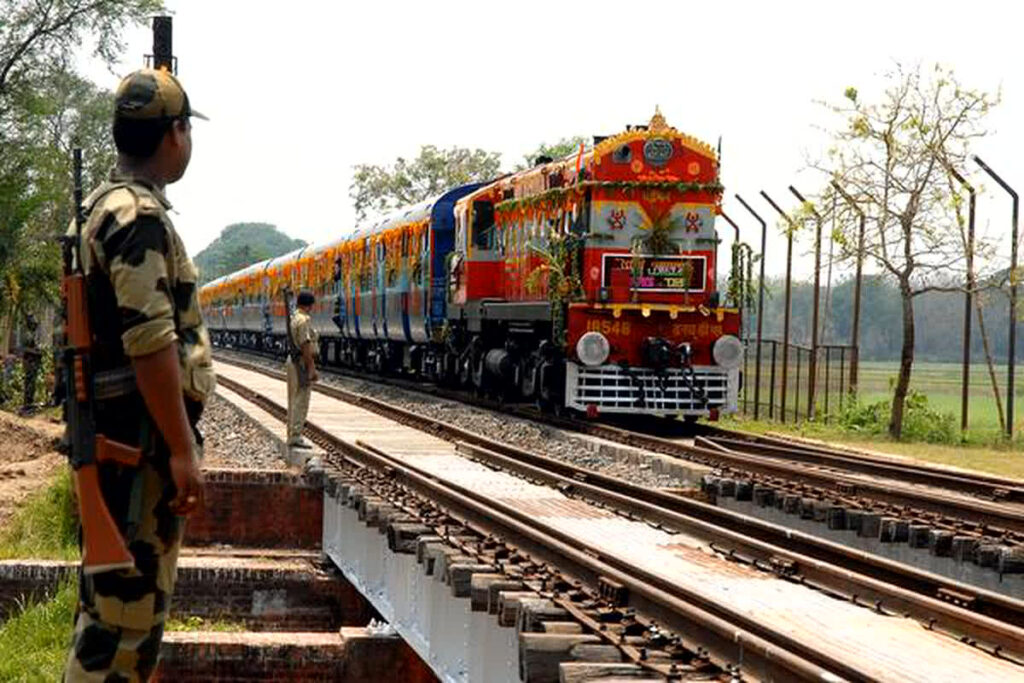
483, 224
622, 155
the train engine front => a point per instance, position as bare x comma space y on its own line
649, 333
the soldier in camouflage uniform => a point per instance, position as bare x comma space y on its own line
147, 326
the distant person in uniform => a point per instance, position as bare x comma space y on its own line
31, 359
153, 349
302, 369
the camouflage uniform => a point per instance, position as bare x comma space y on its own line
142, 297
298, 396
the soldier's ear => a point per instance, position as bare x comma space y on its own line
179, 131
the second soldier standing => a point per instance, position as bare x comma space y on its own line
301, 369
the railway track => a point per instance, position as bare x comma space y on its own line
989, 621
986, 486
977, 505
881, 486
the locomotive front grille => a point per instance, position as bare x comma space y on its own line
610, 389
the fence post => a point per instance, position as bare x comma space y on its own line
1012, 351
812, 369
789, 298
965, 382
760, 311
855, 333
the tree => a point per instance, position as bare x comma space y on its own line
44, 106
894, 157
240, 245
39, 35
380, 189
556, 150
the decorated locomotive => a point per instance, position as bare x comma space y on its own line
586, 283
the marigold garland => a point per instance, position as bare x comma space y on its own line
552, 201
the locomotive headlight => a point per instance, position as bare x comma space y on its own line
593, 348
728, 352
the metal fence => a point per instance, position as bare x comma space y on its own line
786, 392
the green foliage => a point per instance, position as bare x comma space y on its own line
380, 189
34, 641
559, 271
241, 244
44, 107
920, 421
45, 526
38, 35
556, 150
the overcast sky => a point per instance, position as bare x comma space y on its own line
299, 92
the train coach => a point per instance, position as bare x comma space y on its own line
586, 283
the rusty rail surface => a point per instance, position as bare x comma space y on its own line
991, 620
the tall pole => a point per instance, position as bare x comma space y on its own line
855, 333
1012, 360
760, 307
789, 298
965, 382
736, 271
812, 370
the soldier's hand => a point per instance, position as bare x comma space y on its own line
314, 376
188, 484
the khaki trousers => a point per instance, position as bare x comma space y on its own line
298, 404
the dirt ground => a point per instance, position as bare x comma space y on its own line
28, 458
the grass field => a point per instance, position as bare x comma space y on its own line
984, 447
45, 526
941, 383
34, 642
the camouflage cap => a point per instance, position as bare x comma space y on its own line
152, 94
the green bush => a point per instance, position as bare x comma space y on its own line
920, 421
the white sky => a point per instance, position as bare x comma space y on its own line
299, 92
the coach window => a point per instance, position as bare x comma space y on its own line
365, 268
483, 224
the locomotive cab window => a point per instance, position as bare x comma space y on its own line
581, 221
483, 224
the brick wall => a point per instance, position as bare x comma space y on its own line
258, 509
272, 599
261, 594
351, 656
32, 578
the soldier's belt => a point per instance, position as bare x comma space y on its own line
115, 383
